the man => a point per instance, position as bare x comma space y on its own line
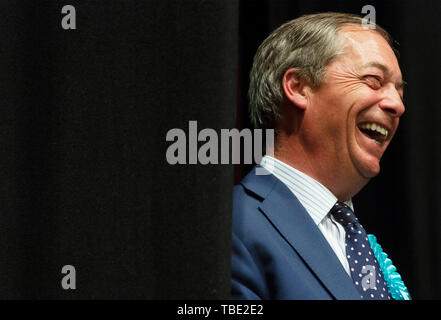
332, 90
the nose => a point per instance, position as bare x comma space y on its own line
392, 102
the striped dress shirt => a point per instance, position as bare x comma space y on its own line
316, 199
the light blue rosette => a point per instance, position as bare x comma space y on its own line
395, 285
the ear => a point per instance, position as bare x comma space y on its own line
295, 88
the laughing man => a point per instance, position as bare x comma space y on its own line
332, 90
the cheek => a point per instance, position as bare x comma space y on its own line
336, 111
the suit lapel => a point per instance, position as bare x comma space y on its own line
295, 225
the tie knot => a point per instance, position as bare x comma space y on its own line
343, 214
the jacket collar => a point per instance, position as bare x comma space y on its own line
296, 226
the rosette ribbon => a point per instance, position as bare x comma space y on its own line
395, 285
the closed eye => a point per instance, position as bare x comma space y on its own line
373, 81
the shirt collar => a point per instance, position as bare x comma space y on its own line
314, 196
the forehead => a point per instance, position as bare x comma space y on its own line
367, 48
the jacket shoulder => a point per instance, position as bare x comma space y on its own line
247, 197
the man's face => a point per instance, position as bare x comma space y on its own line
355, 113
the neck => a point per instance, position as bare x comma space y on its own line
292, 150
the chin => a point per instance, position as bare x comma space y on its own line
370, 170
366, 163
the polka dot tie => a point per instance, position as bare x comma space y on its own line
365, 271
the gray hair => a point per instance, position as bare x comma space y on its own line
308, 43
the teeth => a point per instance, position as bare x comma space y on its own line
375, 127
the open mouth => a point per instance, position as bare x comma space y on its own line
374, 131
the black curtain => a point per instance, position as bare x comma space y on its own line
402, 206
83, 170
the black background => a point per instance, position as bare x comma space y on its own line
83, 119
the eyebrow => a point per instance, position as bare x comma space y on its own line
400, 85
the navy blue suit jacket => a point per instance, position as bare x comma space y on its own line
278, 250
